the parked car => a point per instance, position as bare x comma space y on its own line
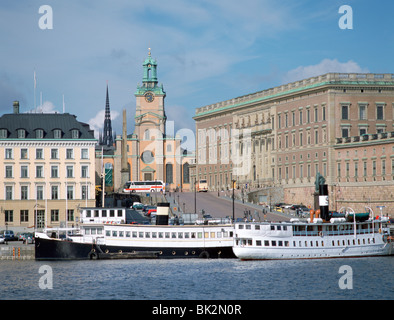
8, 235
28, 238
138, 205
2, 239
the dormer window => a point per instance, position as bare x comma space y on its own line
57, 134
3, 133
39, 134
75, 134
21, 133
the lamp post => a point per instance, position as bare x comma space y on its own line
233, 182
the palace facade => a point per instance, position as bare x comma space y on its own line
279, 139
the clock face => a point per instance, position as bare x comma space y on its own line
149, 97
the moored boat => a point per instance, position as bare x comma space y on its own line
313, 239
115, 233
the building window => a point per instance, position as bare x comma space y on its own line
24, 193
24, 172
383, 167
8, 172
55, 215
345, 112
363, 131
39, 154
356, 169
54, 154
57, 134
21, 133
362, 112
379, 112
9, 154
84, 154
186, 176
70, 171
54, 192
24, 215
339, 170
3, 133
9, 194
365, 168
169, 173
345, 132
70, 192
39, 134
69, 154
54, 172
300, 117
84, 171
39, 171
74, 134
84, 190
70, 215
24, 155
40, 193
9, 215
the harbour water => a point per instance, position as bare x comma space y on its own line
195, 279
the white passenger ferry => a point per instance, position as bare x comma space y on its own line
313, 239
123, 233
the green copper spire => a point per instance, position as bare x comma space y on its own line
149, 80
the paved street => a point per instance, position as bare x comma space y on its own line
218, 206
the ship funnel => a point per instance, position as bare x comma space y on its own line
162, 213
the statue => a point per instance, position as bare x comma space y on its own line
319, 181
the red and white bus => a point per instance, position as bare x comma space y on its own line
144, 186
202, 185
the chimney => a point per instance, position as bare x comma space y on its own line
16, 107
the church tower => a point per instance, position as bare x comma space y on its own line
107, 139
150, 123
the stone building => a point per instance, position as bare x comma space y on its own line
338, 125
47, 169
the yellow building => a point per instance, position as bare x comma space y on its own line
47, 170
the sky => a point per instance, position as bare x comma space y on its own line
207, 51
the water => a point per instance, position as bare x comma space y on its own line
227, 279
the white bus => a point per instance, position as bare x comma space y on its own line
144, 186
202, 185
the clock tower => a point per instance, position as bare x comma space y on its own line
150, 124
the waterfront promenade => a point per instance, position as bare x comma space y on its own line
16, 250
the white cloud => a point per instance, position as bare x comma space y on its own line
97, 123
47, 107
325, 66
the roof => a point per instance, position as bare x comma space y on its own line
48, 122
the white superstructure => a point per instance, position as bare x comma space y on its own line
306, 240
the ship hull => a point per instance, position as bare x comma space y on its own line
55, 249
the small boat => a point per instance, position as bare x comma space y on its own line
120, 233
313, 239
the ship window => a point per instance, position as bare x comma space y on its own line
225, 234
96, 213
241, 226
114, 233
306, 243
154, 234
273, 243
173, 235
167, 234
88, 214
107, 233
180, 235
134, 234
249, 242
187, 235
266, 243
206, 234
284, 228
294, 244
120, 213
87, 231
278, 228
258, 243
140, 234
160, 234
147, 234
193, 235
112, 213
272, 227
248, 227
99, 231
104, 213
127, 234
93, 231
212, 234
280, 243
257, 227
219, 234
287, 243
199, 234
121, 234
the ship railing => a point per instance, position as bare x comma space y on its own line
334, 233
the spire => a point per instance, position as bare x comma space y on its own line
107, 135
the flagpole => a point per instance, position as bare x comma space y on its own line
35, 86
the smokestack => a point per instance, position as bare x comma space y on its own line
16, 107
162, 213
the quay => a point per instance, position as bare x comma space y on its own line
15, 250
